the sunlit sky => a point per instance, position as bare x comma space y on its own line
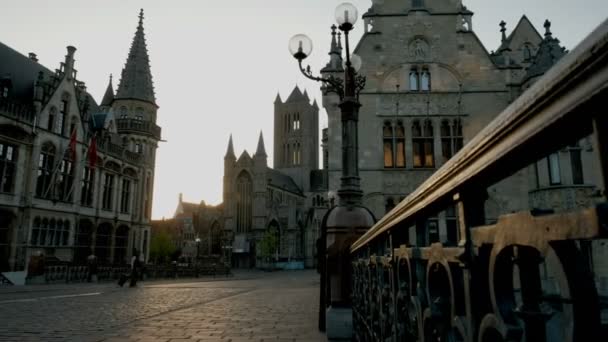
218, 64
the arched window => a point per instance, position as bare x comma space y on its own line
414, 80
422, 140
244, 200
425, 80
527, 52
46, 164
8, 166
555, 177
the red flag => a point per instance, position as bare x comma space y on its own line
93, 152
72, 145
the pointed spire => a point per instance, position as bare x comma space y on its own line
278, 99
334, 43
108, 97
315, 105
261, 150
503, 29
230, 152
306, 96
136, 78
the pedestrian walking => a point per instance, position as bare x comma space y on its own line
92, 267
135, 264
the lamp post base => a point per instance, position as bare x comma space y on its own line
339, 324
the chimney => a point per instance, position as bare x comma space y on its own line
69, 61
33, 57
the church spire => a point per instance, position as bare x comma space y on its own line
230, 152
261, 150
108, 97
136, 78
335, 52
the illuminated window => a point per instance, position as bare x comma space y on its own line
422, 140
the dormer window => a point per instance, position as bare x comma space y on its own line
417, 3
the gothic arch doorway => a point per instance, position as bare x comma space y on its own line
103, 241
121, 241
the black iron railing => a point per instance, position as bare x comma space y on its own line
530, 275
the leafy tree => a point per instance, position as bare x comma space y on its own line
161, 246
269, 243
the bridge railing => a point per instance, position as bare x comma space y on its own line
523, 276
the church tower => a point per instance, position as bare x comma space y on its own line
296, 137
134, 108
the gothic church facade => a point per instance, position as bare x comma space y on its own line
287, 200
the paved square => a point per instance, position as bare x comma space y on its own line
253, 306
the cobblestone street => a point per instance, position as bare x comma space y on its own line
252, 306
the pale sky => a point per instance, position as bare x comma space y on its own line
218, 65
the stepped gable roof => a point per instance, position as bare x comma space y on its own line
282, 181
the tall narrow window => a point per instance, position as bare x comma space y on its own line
388, 145
35, 232
577, 165
86, 187
451, 138
51, 122
125, 197
555, 177
8, 163
422, 140
400, 145
414, 80
63, 114
451, 223
244, 203
65, 180
447, 150
429, 153
425, 80
65, 233
108, 191
433, 230
46, 163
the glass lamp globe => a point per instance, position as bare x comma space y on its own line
355, 61
346, 16
300, 46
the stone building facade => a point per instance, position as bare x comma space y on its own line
431, 87
77, 177
289, 199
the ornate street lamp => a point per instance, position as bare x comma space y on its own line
343, 224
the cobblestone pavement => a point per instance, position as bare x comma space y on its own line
279, 306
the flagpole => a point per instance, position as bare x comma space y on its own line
85, 157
